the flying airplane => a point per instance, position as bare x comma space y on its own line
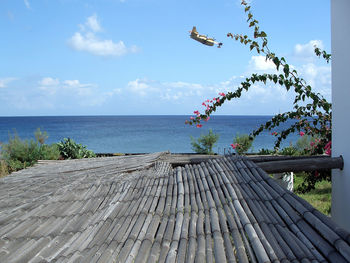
203, 39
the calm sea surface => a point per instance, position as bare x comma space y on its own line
137, 134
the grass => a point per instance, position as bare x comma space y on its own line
320, 198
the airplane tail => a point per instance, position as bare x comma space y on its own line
194, 30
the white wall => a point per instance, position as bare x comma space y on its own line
340, 20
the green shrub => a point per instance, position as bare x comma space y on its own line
242, 143
289, 150
306, 145
50, 152
19, 154
69, 149
205, 143
264, 151
3, 168
40, 136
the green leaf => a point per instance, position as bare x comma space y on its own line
263, 34
277, 62
250, 17
286, 70
275, 79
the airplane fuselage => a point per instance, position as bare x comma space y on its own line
203, 39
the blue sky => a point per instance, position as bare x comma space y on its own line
135, 57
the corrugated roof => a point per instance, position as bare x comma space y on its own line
139, 209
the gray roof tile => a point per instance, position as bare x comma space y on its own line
139, 209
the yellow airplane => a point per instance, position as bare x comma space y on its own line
203, 39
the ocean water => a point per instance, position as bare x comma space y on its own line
138, 134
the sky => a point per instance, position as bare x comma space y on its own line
135, 57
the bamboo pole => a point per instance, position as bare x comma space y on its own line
269, 158
299, 165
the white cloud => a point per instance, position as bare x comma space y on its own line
257, 93
181, 91
75, 87
318, 77
306, 51
93, 23
98, 47
113, 92
72, 92
141, 87
86, 40
5, 81
75, 84
166, 90
26, 2
183, 85
49, 82
260, 98
267, 93
260, 63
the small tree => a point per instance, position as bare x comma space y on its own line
242, 143
40, 136
205, 143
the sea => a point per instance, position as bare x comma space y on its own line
140, 134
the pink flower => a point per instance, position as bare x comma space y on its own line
218, 100
196, 112
222, 94
274, 133
199, 125
234, 145
207, 100
328, 148
312, 143
302, 133
204, 104
207, 119
192, 118
214, 99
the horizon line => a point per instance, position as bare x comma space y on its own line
130, 115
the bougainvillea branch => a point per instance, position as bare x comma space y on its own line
311, 111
